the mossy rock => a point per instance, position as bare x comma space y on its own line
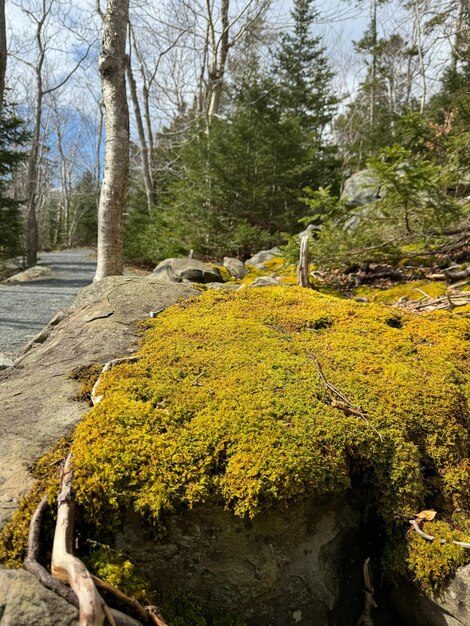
227, 401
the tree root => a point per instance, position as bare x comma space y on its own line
68, 568
110, 616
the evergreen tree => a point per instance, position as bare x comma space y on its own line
304, 81
12, 136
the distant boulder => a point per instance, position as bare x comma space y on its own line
360, 189
187, 271
262, 256
236, 267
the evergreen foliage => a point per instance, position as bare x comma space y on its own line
12, 138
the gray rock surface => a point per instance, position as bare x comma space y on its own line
186, 271
5, 361
451, 607
262, 256
236, 267
36, 395
265, 281
230, 286
32, 273
360, 189
281, 568
25, 602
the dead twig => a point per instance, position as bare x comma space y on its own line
421, 533
341, 402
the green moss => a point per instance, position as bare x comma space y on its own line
14, 535
412, 291
225, 401
116, 569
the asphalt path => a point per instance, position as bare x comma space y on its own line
25, 308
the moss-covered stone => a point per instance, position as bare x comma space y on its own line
226, 400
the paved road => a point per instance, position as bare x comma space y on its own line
25, 308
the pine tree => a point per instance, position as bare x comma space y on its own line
12, 136
304, 81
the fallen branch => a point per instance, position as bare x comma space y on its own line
343, 404
369, 601
109, 365
68, 568
451, 300
421, 533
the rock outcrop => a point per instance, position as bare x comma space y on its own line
360, 189
186, 271
294, 566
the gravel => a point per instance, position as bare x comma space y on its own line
25, 308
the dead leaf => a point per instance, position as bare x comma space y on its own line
426, 516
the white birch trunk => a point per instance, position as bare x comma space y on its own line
112, 66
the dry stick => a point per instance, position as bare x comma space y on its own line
302, 270
369, 601
68, 568
109, 365
32, 565
344, 404
415, 525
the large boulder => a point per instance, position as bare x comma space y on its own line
36, 393
236, 267
262, 256
360, 189
297, 565
186, 271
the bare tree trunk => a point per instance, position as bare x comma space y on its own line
146, 167
374, 63
419, 45
219, 60
32, 237
302, 269
3, 53
112, 66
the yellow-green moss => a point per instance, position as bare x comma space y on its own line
14, 535
226, 400
411, 290
86, 375
116, 569
432, 563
